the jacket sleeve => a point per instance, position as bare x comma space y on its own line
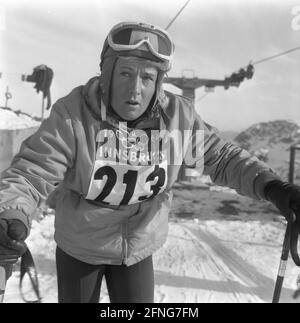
228, 164
39, 166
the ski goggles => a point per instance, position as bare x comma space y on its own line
130, 36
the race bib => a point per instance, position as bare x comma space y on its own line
126, 171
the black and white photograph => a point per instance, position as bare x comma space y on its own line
149, 153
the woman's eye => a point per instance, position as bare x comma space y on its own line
126, 74
148, 78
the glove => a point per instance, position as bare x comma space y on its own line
286, 197
12, 235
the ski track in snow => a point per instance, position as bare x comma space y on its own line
194, 266
204, 270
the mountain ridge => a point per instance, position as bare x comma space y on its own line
271, 142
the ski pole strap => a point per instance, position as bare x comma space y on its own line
28, 267
297, 291
294, 241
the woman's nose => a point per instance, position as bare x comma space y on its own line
136, 86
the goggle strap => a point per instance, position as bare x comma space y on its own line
118, 47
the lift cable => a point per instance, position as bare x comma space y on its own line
179, 12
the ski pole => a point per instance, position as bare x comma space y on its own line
283, 262
2, 281
6, 266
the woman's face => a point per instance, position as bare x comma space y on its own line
133, 86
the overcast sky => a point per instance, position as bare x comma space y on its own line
212, 38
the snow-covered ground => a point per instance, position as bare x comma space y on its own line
11, 120
221, 247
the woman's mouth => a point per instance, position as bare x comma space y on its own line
132, 103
